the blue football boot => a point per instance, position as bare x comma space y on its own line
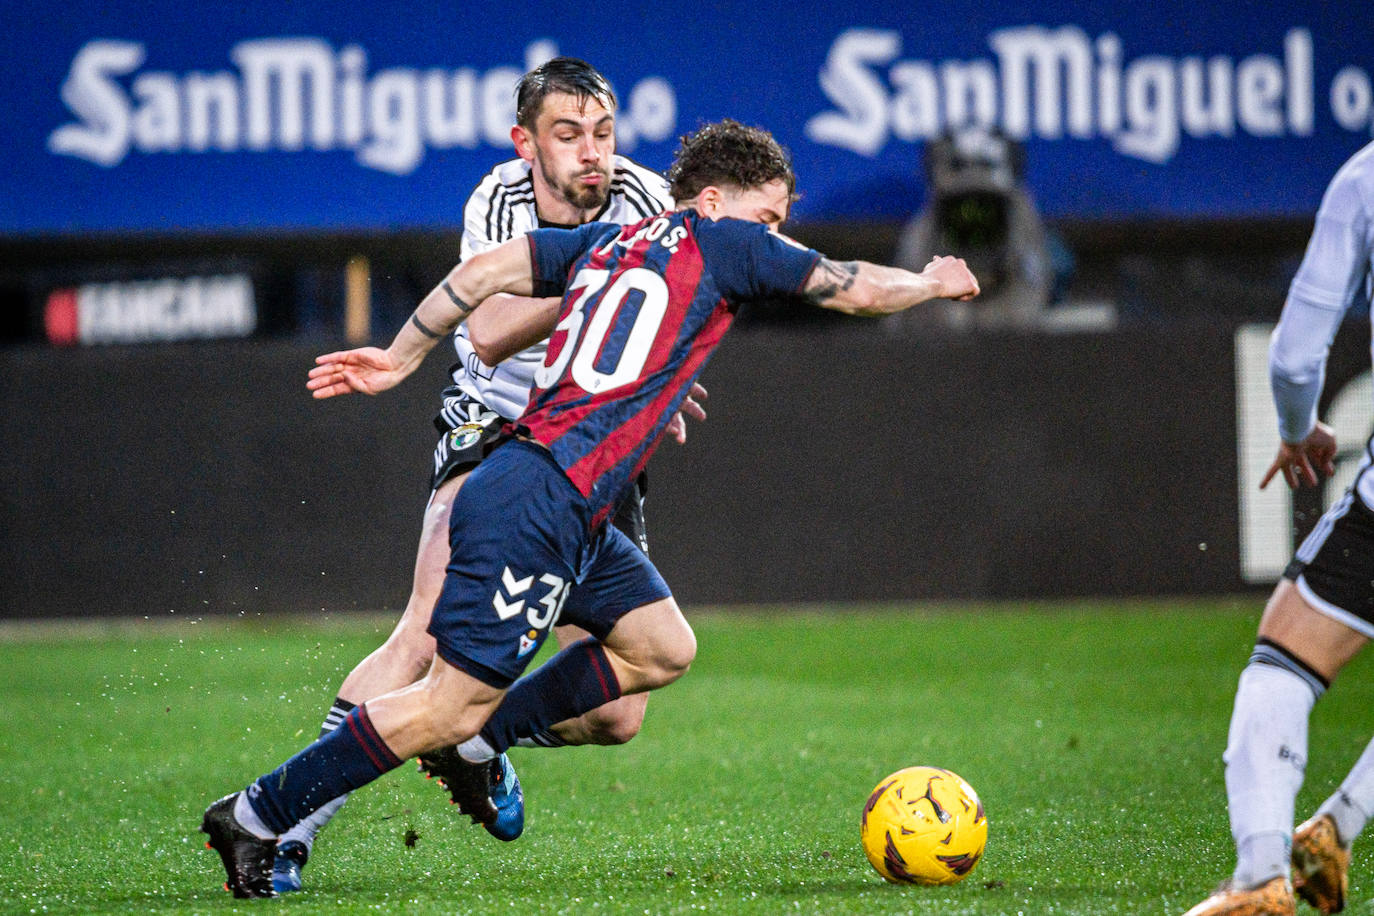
509, 800
286, 868
488, 793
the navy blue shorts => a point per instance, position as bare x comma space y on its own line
469, 430
522, 561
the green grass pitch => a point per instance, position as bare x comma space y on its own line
1092, 730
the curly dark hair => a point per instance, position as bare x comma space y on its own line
732, 154
568, 75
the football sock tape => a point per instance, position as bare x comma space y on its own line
1267, 652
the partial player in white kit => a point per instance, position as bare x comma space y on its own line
501, 208
567, 174
1322, 611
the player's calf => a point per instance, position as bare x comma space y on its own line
616, 722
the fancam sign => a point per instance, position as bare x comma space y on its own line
143, 311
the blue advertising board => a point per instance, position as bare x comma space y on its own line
163, 116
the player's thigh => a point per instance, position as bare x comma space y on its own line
472, 431
518, 538
431, 558
1322, 641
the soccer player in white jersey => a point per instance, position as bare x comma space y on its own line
1322, 611
567, 174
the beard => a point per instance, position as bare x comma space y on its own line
584, 197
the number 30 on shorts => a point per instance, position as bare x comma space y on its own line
589, 369
510, 599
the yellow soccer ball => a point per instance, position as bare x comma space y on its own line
924, 825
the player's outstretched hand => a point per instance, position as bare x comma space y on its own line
677, 426
368, 370
1300, 461
955, 279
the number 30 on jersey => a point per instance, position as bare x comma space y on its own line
592, 370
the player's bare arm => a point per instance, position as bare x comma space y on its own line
862, 288
516, 323
369, 370
1300, 461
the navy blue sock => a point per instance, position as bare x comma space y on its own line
350, 756
574, 681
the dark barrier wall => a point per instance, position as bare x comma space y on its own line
203, 478
837, 463
852, 467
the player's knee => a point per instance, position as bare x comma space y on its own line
673, 657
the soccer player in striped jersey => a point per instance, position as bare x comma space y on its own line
1322, 611
566, 174
643, 307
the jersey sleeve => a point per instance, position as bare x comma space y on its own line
1332, 273
645, 191
750, 261
554, 251
477, 235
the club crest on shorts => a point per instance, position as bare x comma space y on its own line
465, 436
527, 643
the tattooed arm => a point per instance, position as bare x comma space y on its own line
861, 288
370, 370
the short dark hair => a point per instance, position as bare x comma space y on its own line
729, 153
567, 75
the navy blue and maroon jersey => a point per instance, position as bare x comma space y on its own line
644, 306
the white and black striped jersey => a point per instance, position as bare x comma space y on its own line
502, 208
1333, 277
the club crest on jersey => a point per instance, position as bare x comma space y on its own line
465, 436
527, 643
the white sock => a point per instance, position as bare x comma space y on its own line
248, 818
1352, 803
476, 750
304, 832
1266, 753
